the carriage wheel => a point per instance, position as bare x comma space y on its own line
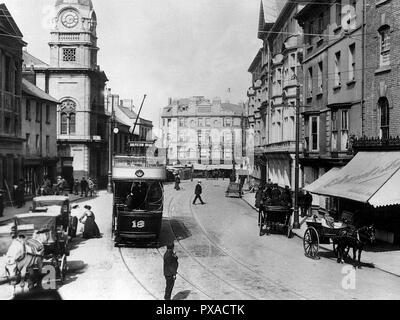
311, 243
63, 269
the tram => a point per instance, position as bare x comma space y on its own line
138, 194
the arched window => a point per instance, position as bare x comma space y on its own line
64, 123
384, 115
72, 123
68, 117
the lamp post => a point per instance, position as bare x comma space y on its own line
110, 142
296, 222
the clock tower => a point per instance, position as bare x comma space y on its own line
73, 39
76, 80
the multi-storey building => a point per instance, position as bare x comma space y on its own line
74, 78
333, 79
273, 95
203, 133
11, 139
39, 125
125, 118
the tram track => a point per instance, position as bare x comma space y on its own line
141, 284
236, 260
207, 269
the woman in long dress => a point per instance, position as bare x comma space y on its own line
91, 230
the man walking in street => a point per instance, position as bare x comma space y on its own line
198, 191
76, 187
84, 187
170, 270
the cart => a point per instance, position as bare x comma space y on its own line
317, 234
275, 217
56, 245
235, 189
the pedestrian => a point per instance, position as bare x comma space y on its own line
76, 187
84, 187
90, 186
198, 191
19, 191
2, 192
177, 182
308, 199
275, 194
301, 203
170, 270
91, 230
287, 197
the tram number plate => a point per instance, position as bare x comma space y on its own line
137, 224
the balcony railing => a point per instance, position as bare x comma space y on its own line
373, 143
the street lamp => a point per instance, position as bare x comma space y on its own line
110, 142
296, 222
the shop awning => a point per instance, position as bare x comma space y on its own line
370, 177
322, 180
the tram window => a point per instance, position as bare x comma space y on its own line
139, 195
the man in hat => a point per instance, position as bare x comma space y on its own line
170, 270
198, 191
177, 182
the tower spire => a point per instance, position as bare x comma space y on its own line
261, 21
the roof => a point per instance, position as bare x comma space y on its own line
31, 60
370, 177
256, 60
236, 109
8, 25
87, 3
31, 90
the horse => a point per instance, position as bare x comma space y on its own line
23, 257
355, 239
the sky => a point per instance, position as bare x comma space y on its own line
163, 48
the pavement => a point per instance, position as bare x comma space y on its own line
385, 257
10, 212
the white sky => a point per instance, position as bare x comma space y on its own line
164, 48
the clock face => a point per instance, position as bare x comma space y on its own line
70, 19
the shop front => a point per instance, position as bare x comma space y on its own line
366, 191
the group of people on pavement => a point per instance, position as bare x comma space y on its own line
87, 187
270, 194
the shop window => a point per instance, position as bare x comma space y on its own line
352, 61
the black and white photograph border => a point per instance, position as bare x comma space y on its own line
199, 151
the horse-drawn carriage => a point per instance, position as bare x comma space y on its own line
273, 217
343, 235
39, 247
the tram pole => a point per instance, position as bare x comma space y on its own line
110, 143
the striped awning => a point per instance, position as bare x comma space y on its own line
370, 177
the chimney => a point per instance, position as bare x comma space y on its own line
169, 101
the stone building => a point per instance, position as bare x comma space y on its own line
39, 125
125, 118
333, 80
74, 78
275, 76
203, 133
11, 138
